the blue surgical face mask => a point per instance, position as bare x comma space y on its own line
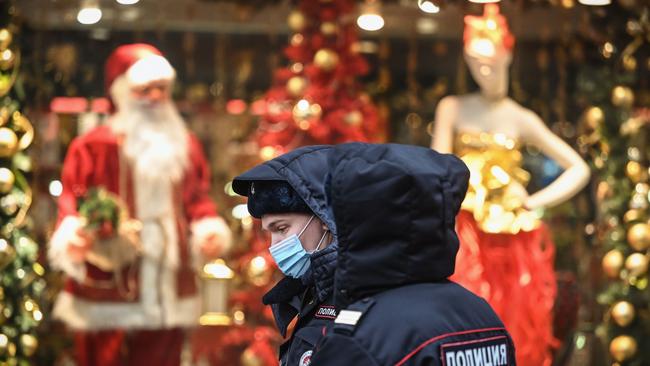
291, 256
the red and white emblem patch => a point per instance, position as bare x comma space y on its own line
305, 359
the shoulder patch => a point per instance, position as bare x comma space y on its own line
326, 312
305, 359
348, 317
491, 351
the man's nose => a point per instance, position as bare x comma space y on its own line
156, 95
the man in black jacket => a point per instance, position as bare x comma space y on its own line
288, 195
395, 209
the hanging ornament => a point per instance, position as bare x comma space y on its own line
28, 344
329, 28
612, 263
623, 313
296, 86
5, 38
8, 142
258, 271
7, 253
622, 348
594, 117
23, 125
635, 171
638, 235
250, 358
622, 96
7, 59
353, 118
631, 216
629, 63
7, 180
636, 264
326, 59
296, 21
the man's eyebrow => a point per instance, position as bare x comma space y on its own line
271, 226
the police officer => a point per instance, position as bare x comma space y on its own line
288, 195
395, 209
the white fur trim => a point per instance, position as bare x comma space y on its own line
158, 306
120, 92
148, 69
57, 252
205, 227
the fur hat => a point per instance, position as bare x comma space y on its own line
266, 197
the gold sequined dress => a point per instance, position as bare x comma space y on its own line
506, 254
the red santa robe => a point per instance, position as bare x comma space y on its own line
165, 293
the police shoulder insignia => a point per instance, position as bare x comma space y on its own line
326, 312
492, 351
305, 359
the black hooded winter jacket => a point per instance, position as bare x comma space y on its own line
310, 298
395, 209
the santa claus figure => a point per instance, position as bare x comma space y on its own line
135, 314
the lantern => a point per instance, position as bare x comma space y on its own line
216, 277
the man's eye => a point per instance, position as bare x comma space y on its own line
282, 229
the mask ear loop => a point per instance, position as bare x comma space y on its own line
321, 240
305, 228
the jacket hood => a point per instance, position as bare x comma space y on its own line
305, 169
395, 208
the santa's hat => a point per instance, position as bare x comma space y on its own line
139, 64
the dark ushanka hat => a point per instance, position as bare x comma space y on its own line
267, 197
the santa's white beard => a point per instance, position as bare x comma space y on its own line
155, 140
156, 145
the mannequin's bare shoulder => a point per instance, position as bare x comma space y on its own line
449, 103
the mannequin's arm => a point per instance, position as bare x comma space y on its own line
443, 133
576, 171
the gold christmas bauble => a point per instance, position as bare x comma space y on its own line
622, 96
594, 117
329, 28
622, 348
258, 271
326, 59
7, 59
636, 264
632, 215
5, 38
629, 63
296, 86
28, 344
353, 118
8, 142
249, 358
638, 235
635, 171
7, 180
612, 263
7, 253
297, 21
623, 313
